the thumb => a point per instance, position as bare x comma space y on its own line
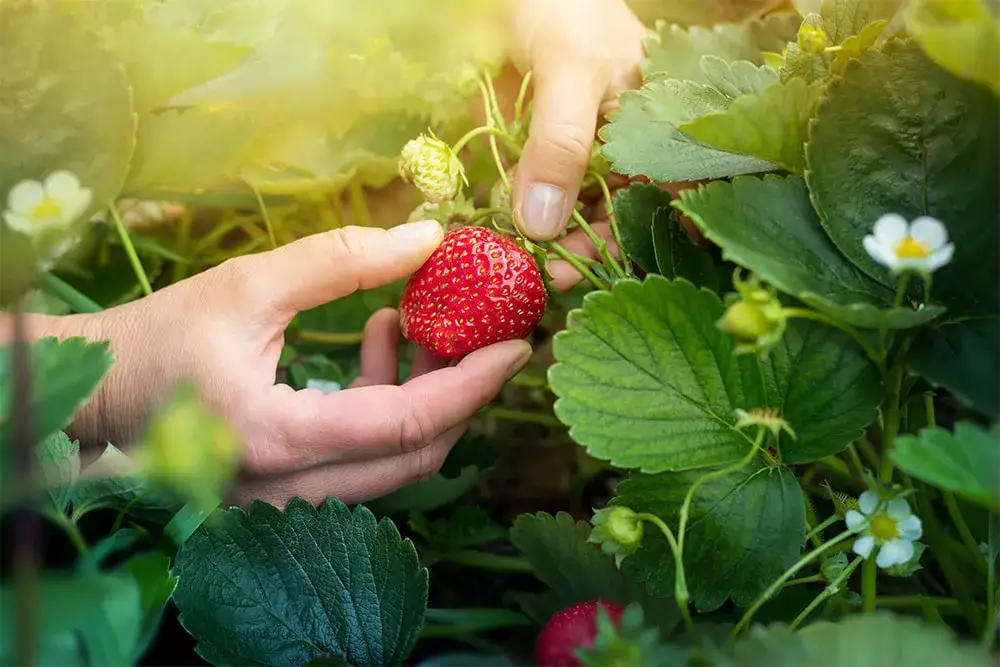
317, 269
566, 100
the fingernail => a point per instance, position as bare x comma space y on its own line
542, 210
414, 233
521, 361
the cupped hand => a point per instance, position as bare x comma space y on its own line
582, 55
223, 329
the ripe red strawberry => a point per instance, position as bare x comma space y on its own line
572, 628
477, 288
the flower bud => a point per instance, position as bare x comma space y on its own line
618, 530
500, 196
429, 163
812, 39
754, 316
189, 449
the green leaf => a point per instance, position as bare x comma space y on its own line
468, 526
677, 256
152, 574
59, 458
825, 387
64, 103
110, 483
745, 529
961, 36
645, 380
966, 462
771, 126
642, 136
576, 571
678, 51
120, 540
273, 588
768, 226
963, 357
636, 207
939, 137
845, 18
64, 375
864, 640
87, 620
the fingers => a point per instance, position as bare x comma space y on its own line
568, 92
353, 482
380, 349
384, 420
564, 276
323, 267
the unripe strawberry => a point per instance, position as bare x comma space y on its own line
430, 164
477, 288
572, 628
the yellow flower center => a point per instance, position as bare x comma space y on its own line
883, 528
47, 209
910, 248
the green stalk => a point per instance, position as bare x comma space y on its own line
613, 219
890, 429
575, 262
133, 258
521, 95
869, 576
953, 573
780, 581
263, 213
818, 530
60, 289
601, 245
831, 589
680, 581
493, 104
472, 134
489, 100
486, 561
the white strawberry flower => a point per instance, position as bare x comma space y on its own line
890, 526
921, 245
34, 207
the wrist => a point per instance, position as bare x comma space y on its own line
87, 423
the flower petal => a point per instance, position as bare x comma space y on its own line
853, 519
863, 546
75, 206
889, 554
878, 252
62, 186
929, 231
910, 528
25, 196
940, 257
889, 229
898, 509
867, 502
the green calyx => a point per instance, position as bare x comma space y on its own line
754, 316
618, 530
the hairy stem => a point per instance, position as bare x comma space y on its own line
869, 575
60, 289
574, 261
133, 257
830, 590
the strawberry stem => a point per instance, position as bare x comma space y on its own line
601, 245
521, 95
574, 261
613, 219
489, 104
472, 134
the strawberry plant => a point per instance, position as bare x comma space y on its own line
763, 431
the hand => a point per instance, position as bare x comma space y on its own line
582, 54
223, 329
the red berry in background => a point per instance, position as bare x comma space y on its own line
476, 289
572, 628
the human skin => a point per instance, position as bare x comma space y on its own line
223, 329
